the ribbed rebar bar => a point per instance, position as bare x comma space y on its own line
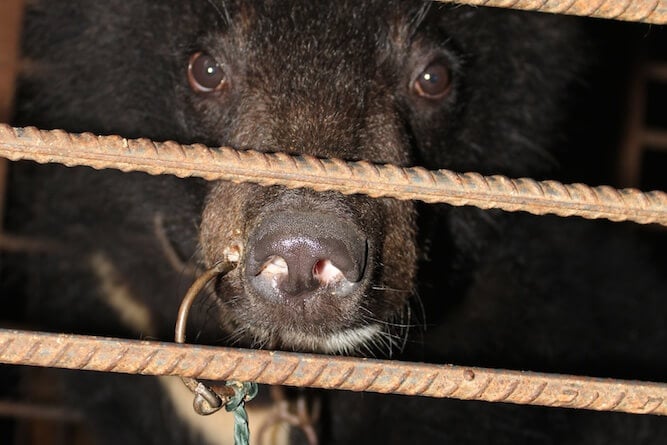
333, 174
33, 410
648, 11
321, 371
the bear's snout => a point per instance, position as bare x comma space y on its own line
302, 255
319, 272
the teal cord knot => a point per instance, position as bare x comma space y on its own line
243, 392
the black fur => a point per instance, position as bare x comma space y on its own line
334, 79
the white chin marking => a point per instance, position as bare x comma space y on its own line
342, 342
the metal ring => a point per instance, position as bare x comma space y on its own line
207, 401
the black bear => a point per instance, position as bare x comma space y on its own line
402, 82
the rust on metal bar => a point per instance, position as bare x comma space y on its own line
328, 372
15, 243
657, 71
647, 11
11, 12
656, 139
33, 410
333, 174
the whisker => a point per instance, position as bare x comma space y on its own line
390, 289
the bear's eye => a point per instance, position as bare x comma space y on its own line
205, 74
434, 81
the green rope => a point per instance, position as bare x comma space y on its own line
243, 392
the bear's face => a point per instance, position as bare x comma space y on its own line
321, 272
408, 83
373, 80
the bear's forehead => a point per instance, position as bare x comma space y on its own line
345, 29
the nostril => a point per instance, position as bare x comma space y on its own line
275, 266
350, 261
274, 270
326, 273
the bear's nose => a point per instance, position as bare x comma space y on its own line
302, 254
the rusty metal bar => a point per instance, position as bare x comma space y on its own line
648, 11
321, 371
629, 164
333, 174
656, 71
11, 13
42, 411
655, 138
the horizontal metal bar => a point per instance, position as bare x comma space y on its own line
329, 372
647, 11
42, 411
333, 174
655, 138
656, 71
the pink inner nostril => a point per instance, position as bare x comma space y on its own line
326, 272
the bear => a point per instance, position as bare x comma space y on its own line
400, 82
